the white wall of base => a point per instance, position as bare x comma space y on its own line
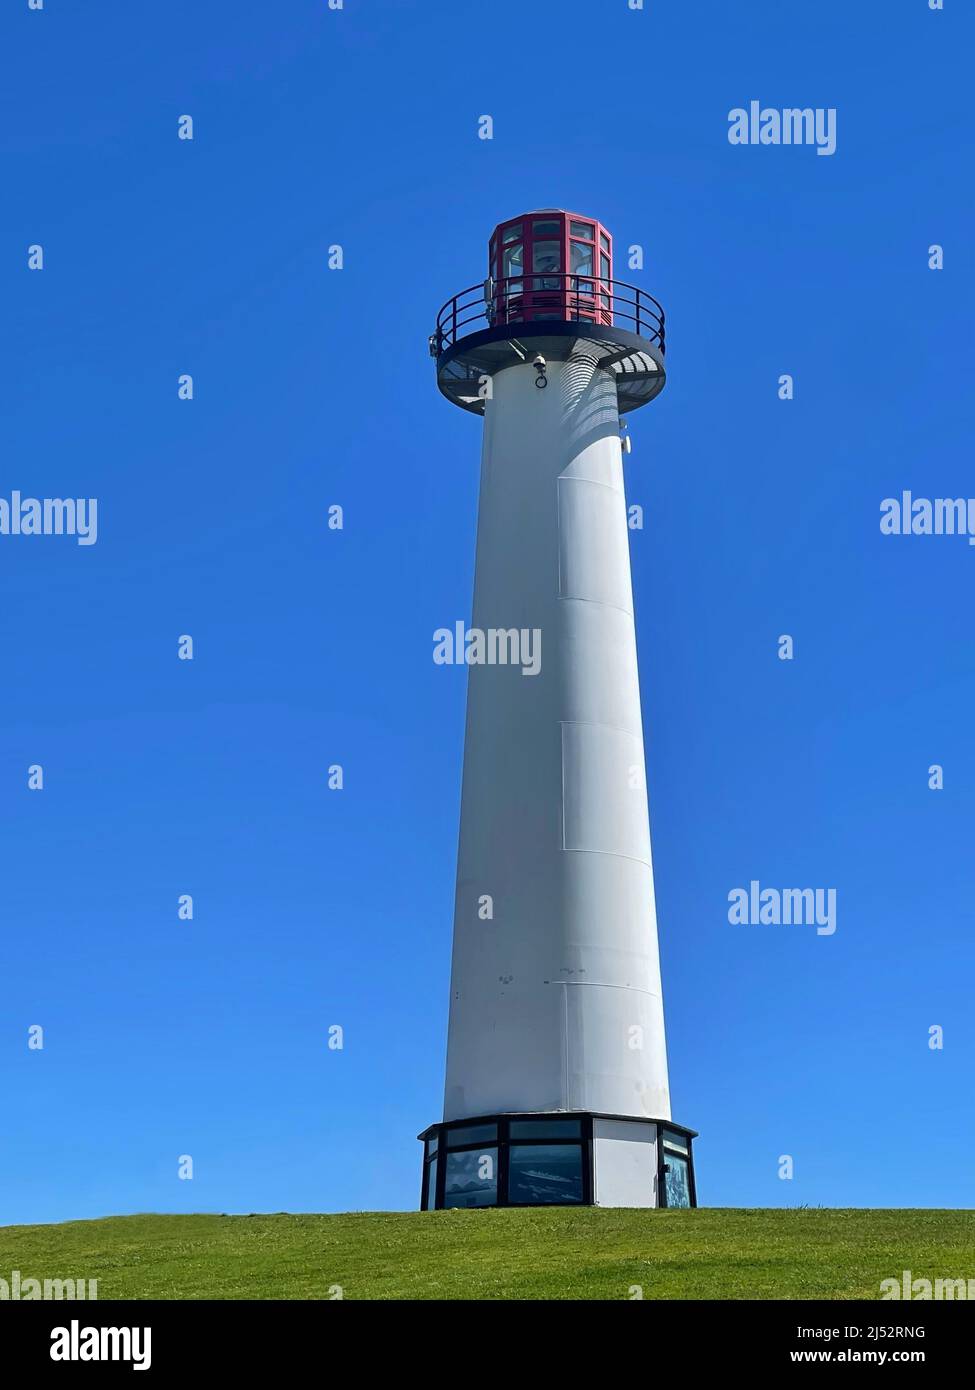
625, 1163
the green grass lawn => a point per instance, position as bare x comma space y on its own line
531, 1253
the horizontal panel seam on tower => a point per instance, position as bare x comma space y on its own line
614, 853
604, 984
575, 598
596, 482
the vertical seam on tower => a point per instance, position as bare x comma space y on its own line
565, 1047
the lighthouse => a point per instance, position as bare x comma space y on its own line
556, 1082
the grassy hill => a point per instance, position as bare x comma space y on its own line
550, 1253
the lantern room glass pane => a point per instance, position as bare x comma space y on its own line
549, 227
471, 1178
547, 255
604, 265
512, 233
580, 258
582, 229
512, 262
544, 1173
603, 241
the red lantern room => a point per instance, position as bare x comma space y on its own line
551, 264
549, 292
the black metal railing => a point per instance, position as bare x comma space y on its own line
554, 296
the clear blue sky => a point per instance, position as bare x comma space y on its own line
313, 387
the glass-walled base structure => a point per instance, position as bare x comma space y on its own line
557, 1159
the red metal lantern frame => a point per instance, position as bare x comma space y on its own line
556, 292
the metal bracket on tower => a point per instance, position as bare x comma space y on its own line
541, 380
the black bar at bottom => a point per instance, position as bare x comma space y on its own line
249, 1337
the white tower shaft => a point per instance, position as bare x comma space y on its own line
555, 998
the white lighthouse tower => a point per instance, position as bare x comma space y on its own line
556, 1088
